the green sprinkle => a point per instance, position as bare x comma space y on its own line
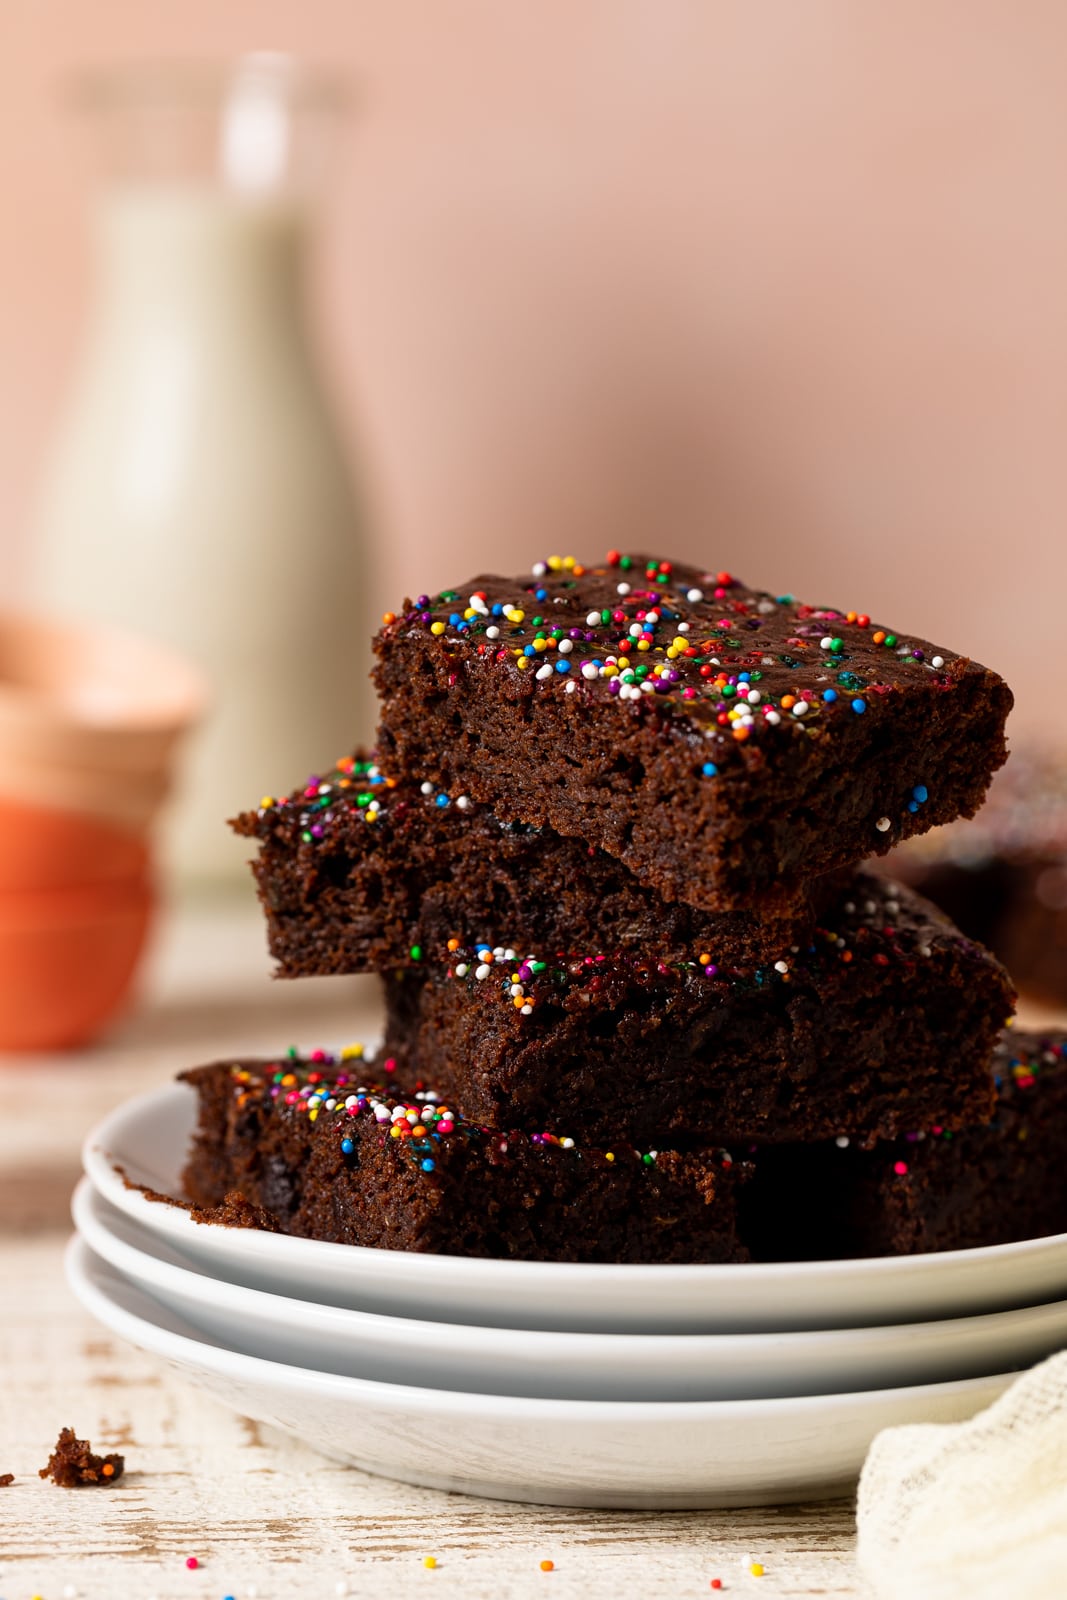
416, 952
625, 563
890, 640
306, 837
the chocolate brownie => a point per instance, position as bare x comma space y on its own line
936, 1190
886, 1022
73, 1465
357, 873
333, 1155
1003, 876
722, 742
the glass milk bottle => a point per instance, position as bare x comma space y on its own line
197, 490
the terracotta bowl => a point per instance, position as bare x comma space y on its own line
105, 700
42, 848
129, 801
67, 961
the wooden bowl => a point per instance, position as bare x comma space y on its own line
67, 961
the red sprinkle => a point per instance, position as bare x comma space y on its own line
192, 1563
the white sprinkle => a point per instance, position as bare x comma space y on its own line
69, 1591
648, 687
426, 788
781, 966
464, 802
842, 1141
565, 646
773, 717
593, 619
622, 588
570, 686
850, 907
482, 971
754, 697
525, 1011
589, 671
683, 627
870, 907
462, 969
924, 949
514, 989
765, 607
493, 632
824, 644
510, 955
636, 630
341, 1587
694, 595
545, 671
883, 824
566, 1144
937, 661
478, 604
652, 616
800, 709
539, 569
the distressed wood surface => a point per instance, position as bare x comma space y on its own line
264, 1516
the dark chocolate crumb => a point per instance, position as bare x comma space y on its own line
72, 1463
6, 1478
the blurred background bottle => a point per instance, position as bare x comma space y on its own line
197, 490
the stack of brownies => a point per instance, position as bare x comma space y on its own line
643, 1001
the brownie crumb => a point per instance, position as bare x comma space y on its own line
72, 1463
237, 1212
6, 1478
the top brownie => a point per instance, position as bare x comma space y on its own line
721, 741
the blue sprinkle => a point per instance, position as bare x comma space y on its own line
563, 665
913, 805
859, 707
920, 793
347, 1147
455, 619
744, 677
528, 650
442, 800
483, 949
427, 1165
498, 609
829, 695
710, 770
540, 594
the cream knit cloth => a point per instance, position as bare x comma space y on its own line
972, 1510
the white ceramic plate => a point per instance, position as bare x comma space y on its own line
148, 1138
586, 1366
556, 1452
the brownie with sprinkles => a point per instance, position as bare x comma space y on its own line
357, 873
333, 1153
720, 741
1003, 876
886, 1022
935, 1190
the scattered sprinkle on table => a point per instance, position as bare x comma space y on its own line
548, 1566
429, 1561
192, 1563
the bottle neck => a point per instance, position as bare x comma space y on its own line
197, 253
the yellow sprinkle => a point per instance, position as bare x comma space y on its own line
756, 1569
540, 645
554, 563
514, 614
352, 1052
437, 627
643, 644
313, 1114
609, 1155
469, 613
266, 802
394, 1132
522, 663
431, 1561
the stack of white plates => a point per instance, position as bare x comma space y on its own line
630, 1386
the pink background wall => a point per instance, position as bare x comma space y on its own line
782, 286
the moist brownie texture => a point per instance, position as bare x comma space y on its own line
73, 1464
332, 1155
722, 742
1003, 876
928, 1191
887, 1022
357, 873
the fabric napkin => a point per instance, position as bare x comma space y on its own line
972, 1510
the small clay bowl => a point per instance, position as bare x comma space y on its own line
120, 800
42, 848
67, 962
93, 697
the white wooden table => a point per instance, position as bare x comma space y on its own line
263, 1516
